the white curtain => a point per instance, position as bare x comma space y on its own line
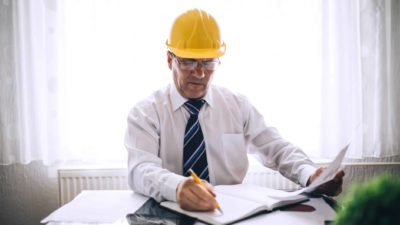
29, 85
361, 77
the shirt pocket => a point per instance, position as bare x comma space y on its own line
235, 154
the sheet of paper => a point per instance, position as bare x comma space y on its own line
98, 207
255, 193
327, 175
231, 212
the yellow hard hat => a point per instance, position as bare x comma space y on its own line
195, 34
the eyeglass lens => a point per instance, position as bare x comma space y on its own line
190, 64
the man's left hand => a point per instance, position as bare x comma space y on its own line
330, 188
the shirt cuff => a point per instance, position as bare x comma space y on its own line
171, 184
305, 174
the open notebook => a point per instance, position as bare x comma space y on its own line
243, 200
238, 202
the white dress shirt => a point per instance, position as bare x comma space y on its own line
232, 128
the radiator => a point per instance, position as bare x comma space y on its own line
73, 181
269, 178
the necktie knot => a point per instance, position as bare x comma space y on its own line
193, 106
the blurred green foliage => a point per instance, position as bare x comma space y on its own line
375, 202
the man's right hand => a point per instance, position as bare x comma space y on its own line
195, 197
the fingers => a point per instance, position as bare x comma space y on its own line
315, 175
334, 186
210, 188
319, 171
329, 189
195, 197
339, 175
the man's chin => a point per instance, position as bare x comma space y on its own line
195, 94
194, 91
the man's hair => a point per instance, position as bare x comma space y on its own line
375, 202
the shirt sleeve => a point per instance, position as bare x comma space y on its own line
145, 173
273, 151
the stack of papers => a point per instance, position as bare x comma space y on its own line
105, 206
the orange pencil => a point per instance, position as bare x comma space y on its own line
198, 181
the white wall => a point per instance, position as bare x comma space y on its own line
27, 195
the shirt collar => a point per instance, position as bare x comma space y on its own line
178, 100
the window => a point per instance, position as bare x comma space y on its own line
115, 55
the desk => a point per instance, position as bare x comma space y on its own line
110, 208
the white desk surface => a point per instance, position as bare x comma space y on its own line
109, 207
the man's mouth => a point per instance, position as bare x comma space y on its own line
195, 83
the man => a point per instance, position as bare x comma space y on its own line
192, 124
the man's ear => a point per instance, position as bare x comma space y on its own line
169, 59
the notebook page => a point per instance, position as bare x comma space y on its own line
233, 209
256, 193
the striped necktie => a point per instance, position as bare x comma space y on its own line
194, 149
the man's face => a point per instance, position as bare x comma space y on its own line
192, 77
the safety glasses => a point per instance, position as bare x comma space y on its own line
192, 64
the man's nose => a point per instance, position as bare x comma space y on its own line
199, 72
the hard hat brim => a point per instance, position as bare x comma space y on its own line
198, 53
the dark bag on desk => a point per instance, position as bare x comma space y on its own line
151, 213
